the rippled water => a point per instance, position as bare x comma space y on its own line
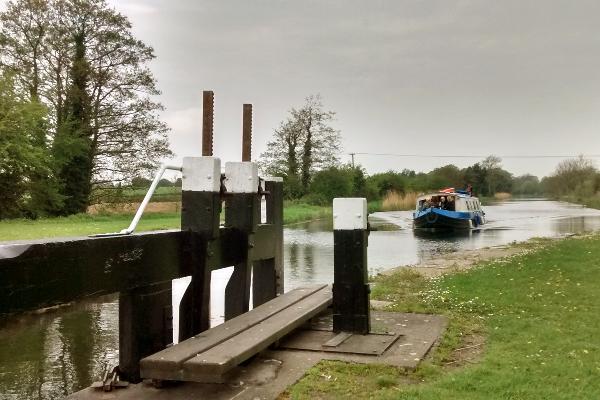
51, 355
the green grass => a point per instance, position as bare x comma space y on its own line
83, 224
589, 201
294, 212
539, 315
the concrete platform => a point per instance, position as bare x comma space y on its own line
270, 373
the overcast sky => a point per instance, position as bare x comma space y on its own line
427, 77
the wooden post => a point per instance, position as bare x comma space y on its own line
208, 102
350, 287
247, 133
145, 326
200, 213
268, 274
242, 212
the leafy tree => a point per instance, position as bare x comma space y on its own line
26, 184
389, 182
80, 58
73, 142
526, 185
302, 145
475, 175
331, 183
446, 176
140, 182
575, 177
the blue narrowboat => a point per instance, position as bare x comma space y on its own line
448, 209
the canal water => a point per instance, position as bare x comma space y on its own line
50, 355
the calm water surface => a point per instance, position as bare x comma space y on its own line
51, 355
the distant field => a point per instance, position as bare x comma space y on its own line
136, 195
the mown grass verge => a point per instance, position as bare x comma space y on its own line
528, 324
84, 224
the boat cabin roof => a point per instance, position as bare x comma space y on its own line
436, 194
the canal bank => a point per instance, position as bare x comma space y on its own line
48, 356
521, 326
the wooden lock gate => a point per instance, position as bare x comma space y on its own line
141, 267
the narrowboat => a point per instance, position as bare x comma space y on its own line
448, 209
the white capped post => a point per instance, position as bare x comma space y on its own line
350, 273
241, 177
349, 213
201, 174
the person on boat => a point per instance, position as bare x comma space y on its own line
470, 189
427, 204
443, 203
451, 205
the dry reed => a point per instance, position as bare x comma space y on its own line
502, 196
394, 201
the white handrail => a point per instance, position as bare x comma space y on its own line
142, 207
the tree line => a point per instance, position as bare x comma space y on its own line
305, 151
77, 105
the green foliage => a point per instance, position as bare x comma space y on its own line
63, 54
575, 178
140, 182
333, 182
487, 178
389, 181
26, 183
527, 185
72, 146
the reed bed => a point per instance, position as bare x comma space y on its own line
502, 196
394, 201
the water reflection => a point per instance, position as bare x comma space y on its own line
52, 355
48, 356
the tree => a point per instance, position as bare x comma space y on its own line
80, 58
303, 144
73, 143
446, 176
575, 176
526, 185
26, 187
390, 181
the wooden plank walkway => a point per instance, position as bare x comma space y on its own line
208, 356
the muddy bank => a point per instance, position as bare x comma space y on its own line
466, 259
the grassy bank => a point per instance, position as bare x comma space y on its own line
83, 224
589, 201
520, 328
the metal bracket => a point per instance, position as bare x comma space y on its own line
110, 381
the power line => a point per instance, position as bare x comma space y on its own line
473, 156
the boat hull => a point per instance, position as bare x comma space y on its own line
438, 219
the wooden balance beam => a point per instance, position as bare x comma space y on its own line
210, 355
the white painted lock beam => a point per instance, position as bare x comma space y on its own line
201, 174
269, 179
350, 213
272, 179
241, 177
